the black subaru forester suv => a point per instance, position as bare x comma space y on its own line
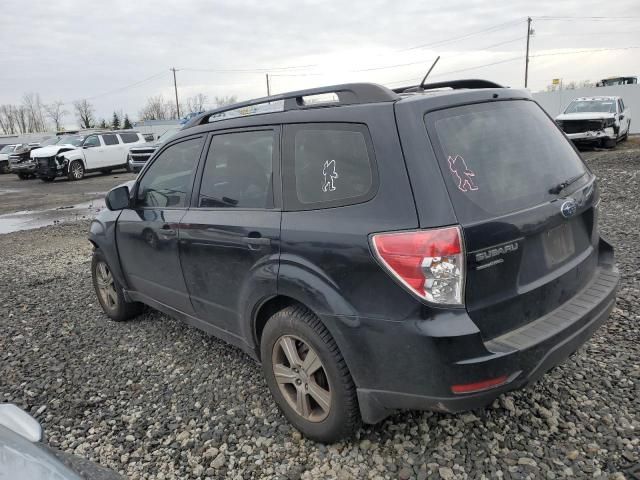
423, 248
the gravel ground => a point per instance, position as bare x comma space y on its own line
154, 398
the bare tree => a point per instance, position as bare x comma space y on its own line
84, 112
225, 100
157, 108
7, 119
33, 110
56, 113
196, 103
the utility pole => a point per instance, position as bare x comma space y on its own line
526, 62
175, 86
268, 89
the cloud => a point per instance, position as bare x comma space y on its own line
70, 49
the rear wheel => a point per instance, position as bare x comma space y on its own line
76, 170
109, 291
308, 376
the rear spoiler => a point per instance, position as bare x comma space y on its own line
454, 84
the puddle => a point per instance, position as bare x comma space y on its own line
29, 219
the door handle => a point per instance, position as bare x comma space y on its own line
167, 230
255, 239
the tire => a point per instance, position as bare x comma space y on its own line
76, 170
298, 331
47, 179
109, 291
22, 176
4, 168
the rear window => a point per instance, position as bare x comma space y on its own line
129, 137
500, 157
329, 165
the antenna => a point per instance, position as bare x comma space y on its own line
432, 67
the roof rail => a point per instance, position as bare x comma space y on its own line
455, 84
347, 94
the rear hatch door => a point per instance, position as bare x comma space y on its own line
525, 201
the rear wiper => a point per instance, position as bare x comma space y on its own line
556, 189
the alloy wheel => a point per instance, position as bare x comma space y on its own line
77, 171
106, 286
302, 378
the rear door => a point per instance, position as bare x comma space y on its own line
113, 151
525, 201
230, 238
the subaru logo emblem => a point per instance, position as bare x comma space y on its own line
569, 208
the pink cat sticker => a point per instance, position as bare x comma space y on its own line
462, 174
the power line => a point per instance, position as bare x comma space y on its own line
119, 89
547, 17
584, 51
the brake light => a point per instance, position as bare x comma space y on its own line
428, 262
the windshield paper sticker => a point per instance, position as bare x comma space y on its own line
462, 174
330, 174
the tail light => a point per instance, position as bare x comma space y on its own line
430, 263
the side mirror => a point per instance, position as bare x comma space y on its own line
87, 146
621, 116
118, 198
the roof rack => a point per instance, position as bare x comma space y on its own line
455, 84
345, 94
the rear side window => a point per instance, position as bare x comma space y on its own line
239, 171
327, 165
500, 157
129, 137
110, 139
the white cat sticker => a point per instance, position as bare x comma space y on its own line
330, 174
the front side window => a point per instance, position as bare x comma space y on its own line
239, 171
110, 139
167, 182
91, 141
332, 165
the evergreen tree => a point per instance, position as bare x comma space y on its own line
127, 124
103, 124
115, 124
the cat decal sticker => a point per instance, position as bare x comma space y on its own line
330, 174
461, 174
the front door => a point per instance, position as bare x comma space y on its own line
230, 239
148, 234
93, 149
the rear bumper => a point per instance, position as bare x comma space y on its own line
413, 364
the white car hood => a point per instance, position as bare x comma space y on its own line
585, 116
49, 151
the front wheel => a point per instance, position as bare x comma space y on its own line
76, 170
308, 376
109, 291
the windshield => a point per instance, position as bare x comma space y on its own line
75, 140
167, 135
591, 106
8, 149
501, 157
50, 141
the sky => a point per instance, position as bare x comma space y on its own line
116, 54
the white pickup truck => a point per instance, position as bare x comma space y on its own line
99, 151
